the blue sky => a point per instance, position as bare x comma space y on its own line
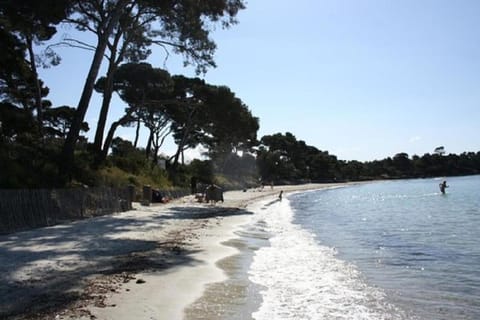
362, 79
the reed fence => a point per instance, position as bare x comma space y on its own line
27, 209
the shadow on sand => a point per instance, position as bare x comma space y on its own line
42, 270
206, 212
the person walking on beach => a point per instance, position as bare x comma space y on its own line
443, 186
280, 195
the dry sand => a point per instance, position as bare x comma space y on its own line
148, 263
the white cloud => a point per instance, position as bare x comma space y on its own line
415, 139
196, 153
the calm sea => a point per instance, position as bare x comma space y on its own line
382, 250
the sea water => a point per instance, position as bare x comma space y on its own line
380, 250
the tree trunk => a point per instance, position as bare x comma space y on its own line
99, 154
148, 148
74, 132
179, 150
107, 98
113, 63
155, 155
188, 128
137, 133
109, 138
38, 89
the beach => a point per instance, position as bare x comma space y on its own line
153, 262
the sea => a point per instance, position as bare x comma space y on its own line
381, 250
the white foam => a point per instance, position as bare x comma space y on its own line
305, 280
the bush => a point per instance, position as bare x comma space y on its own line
118, 178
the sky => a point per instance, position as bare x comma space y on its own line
361, 79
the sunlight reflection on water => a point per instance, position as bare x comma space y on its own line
418, 245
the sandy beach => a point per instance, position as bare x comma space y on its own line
149, 263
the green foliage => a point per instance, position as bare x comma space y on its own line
128, 165
57, 121
128, 158
25, 163
118, 178
27, 159
31, 131
42, 146
211, 116
125, 30
283, 158
202, 170
228, 122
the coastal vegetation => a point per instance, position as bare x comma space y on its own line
44, 145
283, 157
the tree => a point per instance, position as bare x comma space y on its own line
57, 121
182, 25
147, 91
282, 156
402, 164
277, 154
23, 24
439, 150
127, 157
28, 150
235, 127
28, 157
320, 166
190, 105
214, 117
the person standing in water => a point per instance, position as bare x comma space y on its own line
443, 186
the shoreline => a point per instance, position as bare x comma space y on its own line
236, 297
149, 263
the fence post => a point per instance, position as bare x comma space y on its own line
147, 195
131, 193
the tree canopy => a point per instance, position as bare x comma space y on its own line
43, 144
125, 31
194, 112
127, 28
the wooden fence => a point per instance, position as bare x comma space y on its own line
26, 209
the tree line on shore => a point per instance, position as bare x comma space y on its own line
44, 145
282, 157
